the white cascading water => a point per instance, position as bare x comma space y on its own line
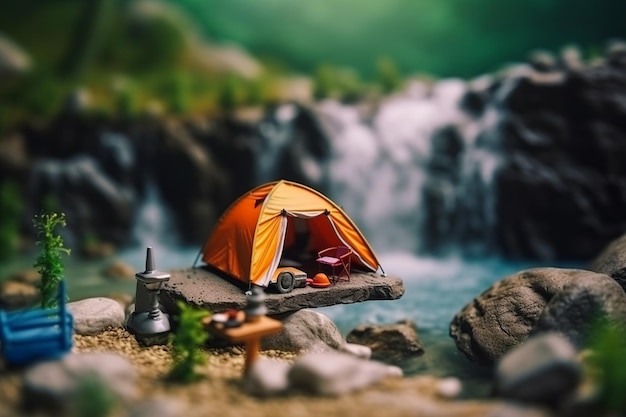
379, 167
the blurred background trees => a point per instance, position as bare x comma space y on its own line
204, 56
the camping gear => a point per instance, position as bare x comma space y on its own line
337, 258
35, 334
320, 280
147, 322
248, 241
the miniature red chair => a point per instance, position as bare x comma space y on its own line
336, 257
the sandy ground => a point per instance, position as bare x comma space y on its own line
219, 392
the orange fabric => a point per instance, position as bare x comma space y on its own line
247, 238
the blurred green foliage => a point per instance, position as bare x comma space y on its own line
344, 84
10, 210
160, 47
389, 76
93, 398
49, 263
462, 38
609, 345
189, 337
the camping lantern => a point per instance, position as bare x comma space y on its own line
148, 323
256, 304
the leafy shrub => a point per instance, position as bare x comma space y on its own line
186, 342
49, 262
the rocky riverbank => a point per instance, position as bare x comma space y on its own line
221, 393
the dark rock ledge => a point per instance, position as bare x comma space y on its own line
203, 287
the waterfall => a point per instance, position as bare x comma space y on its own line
274, 133
154, 227
417, 174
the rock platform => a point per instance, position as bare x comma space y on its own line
204, 287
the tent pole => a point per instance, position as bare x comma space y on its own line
383, 271
197, 257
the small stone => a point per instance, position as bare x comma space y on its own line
354, 349
93, 315
119, 270
27, 276
16, 295
267, 377
98, 249
56, 384
392, 342
334, 373
544, 370
123, 298
448, 388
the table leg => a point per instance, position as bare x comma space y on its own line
253, 346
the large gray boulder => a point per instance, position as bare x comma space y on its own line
305, 330
578, 307
503, 316
612, 261
391, 342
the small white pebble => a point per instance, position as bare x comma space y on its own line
448, 387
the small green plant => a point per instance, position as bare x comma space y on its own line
186, 342
49, 262
609, 345
94, 398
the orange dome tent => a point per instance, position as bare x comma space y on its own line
247, 242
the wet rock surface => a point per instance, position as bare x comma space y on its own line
391, 342
202, 287
580, 306
612, 261
503, 316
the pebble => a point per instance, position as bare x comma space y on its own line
267, 377
119, 270
355, 349
448, 388
27, 276
56, 384
544, 369
93, 315
16, 295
